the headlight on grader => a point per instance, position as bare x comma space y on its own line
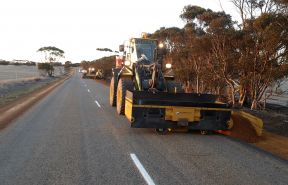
127, 63
168, 66
161, 45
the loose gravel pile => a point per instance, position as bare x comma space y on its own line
242, 129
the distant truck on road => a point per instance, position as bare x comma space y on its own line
92, 73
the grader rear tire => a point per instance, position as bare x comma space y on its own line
123, 85
112, 94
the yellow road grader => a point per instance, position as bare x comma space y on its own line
150, 98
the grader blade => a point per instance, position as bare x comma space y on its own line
176, 110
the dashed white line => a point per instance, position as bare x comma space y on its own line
142, 170
88, 90
97, 104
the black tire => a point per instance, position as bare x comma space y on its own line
123, 85
112, 93
174, 87
162, 131
204, 132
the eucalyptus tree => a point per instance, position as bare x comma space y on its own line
52, 54
212, 48
264, 45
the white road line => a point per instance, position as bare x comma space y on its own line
142, 170
88, 90
97, 104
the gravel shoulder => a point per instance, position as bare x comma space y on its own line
275, 119
19, 96
11, 90
275, 136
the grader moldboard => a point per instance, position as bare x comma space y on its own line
150, 97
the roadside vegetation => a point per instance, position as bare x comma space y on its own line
51, 58
224, 57
17, 62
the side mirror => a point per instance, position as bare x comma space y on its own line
121, 48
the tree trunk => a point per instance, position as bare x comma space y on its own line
232, 91
188, 88
242, 97
197, 84
254, 104
218, 90
50, 73
233, 96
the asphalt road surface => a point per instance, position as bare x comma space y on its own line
73, 136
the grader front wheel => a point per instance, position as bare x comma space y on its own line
112, 94
123, 85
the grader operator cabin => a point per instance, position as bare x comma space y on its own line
149, 97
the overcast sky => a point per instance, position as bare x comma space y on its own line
80, 26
